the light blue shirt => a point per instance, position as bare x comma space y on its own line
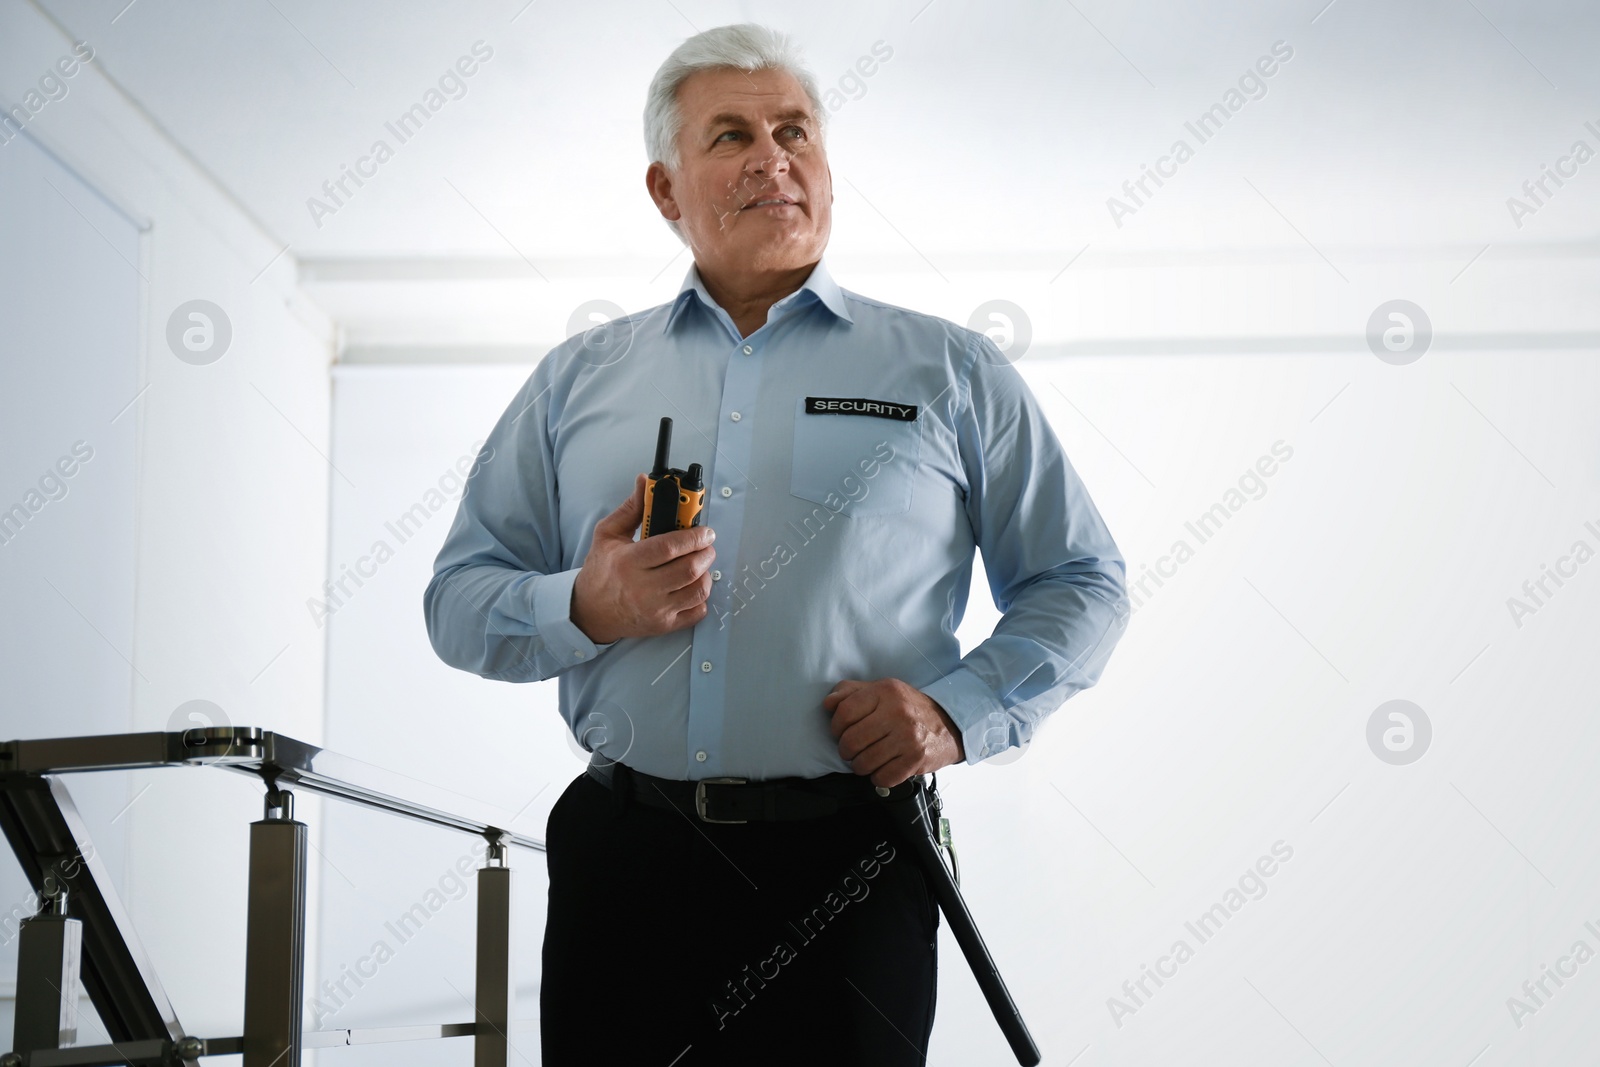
845, 535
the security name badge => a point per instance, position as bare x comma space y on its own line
841, 405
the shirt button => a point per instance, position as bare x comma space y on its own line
735, 416
727, 491
747, 350
578, 655
705, 666
700, 757
716, 576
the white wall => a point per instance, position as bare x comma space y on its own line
231, 512
402, 434
1373, 564
67, 455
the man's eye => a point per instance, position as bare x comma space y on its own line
795, 132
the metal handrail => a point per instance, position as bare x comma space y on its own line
82, 930
268, 755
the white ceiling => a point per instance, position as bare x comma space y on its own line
994, 134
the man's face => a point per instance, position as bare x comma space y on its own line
747, 137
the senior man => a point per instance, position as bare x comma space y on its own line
793, 652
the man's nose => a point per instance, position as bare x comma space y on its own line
768, 158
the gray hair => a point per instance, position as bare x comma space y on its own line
745, 46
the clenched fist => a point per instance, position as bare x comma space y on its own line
891, 731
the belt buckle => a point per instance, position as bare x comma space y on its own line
700, 797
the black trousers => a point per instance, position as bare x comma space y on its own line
675, 943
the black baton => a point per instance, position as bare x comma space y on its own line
916, 812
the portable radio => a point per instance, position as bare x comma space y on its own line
672, 498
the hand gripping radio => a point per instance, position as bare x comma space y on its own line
673, 499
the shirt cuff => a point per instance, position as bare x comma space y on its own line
985, 727
552, 619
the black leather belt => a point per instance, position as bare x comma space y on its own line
740, 800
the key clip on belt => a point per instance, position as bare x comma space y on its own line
700, 797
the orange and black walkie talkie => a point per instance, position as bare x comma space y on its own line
672, 498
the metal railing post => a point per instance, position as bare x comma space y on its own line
49, 951
98, 949
275, 936
496, 987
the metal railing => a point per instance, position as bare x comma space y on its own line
82, 933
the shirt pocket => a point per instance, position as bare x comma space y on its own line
857, 465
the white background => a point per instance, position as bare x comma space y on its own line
1170, 353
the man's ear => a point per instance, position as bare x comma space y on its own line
658, 182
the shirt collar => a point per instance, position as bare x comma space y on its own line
819, 285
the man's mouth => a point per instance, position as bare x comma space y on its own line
771, 201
